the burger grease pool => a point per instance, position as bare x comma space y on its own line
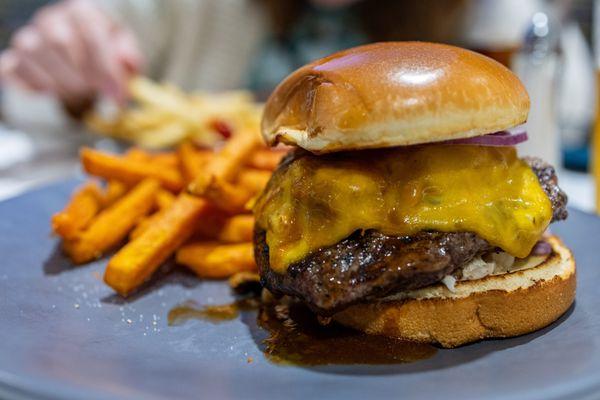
297, 337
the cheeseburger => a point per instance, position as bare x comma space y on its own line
405, 210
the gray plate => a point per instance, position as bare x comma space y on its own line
65, 335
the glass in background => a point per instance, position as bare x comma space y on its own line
537, 64
522, 35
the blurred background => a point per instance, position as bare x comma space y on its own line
62, 59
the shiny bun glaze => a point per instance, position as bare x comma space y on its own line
392, 94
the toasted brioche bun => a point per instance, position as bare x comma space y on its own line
493, 307
393, 94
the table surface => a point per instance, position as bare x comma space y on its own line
39, 144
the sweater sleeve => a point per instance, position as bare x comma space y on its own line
195, 44
149, 20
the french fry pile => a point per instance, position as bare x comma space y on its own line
191, 203
162, 116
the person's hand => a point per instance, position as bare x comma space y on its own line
74, 51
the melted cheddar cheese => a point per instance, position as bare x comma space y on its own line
316, 201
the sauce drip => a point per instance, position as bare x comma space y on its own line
212, 313
295, 336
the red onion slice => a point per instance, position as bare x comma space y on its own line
541, 248
502, 138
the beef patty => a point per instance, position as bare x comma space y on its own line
368, 264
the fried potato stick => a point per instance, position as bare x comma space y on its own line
212, 260
164, 200
227, 197
220, 227
226, 164
237, 229
265, 159
137, 260
128, 171
85, 203
113, 192
253, 180
192, 160
166, 158
112, 224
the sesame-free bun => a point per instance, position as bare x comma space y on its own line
493, 307
393, 94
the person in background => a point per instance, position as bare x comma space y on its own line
77, 50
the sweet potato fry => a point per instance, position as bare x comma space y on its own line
212, 260
167, 159
137, 154
192, 160
227, 197
237, 229
164, 199
143, 224
211, 225
113, 192
85, 203
265, 159
137, 260
219, 227
253, 180
129, 171
113, 224
225, 165
187, 161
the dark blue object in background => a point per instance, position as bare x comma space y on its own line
577, 159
